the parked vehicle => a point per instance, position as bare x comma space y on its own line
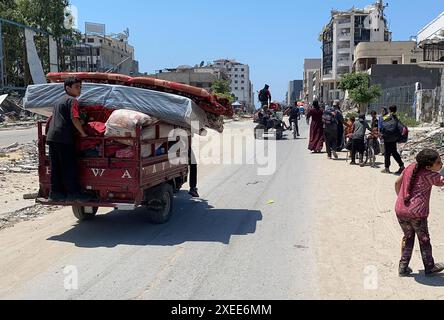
120, 183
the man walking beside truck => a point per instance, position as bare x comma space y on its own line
60, 138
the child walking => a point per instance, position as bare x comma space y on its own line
414, 188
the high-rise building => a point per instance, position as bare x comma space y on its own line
240, 84
341, 35
295, 89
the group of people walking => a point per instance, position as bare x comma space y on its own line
414, 185
329, 127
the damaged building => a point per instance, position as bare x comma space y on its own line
341, 35
430, 103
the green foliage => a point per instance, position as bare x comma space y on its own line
359, 89
45, 15
407, 120
221, 88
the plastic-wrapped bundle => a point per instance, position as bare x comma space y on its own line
170, 108
123, 123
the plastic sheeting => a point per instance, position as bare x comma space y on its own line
170, 108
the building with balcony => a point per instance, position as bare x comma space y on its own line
240, 83
368, 54
312, 80
102, 53
340, 37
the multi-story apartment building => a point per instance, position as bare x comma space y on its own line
201, 77
100, 53
340, 37
295, 89
240, 83
312, 80
368, 54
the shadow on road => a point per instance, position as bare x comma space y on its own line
435, 281
192, 221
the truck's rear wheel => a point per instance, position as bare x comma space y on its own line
160, 206
84, 213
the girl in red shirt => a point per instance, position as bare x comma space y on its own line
414, 188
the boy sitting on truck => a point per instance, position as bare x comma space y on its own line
60, 138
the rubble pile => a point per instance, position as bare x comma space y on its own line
430, 139
12, 113
26, 214
27, 162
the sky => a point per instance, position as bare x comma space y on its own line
272, 37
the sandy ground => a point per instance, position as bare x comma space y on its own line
359, 238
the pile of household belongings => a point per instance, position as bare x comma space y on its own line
170, 102
132, 102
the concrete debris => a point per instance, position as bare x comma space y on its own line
13, 115
27, 162
427, 139
26, 214
30, 196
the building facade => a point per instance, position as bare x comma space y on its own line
201, 77
295, 89
341, 35
368, 54
240, 83
98, 53
431, 40
312, 80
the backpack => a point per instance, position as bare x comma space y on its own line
263, 96
329, 118
404, 130
390, 126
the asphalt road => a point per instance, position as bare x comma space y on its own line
8, 137
248, 238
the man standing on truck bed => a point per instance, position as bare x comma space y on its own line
60, 138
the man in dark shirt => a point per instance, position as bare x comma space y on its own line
295, 115
62, 151
265, 96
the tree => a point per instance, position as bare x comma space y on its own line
360, 90
221, 88
45, 15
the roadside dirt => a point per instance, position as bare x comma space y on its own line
359, 238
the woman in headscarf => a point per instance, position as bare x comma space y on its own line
316, 129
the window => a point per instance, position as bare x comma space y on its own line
242, 76
242, 69
413, 60
101, 41
235, 76
90, 40
242, 81
242, 88
236, 88
235, 69
395, 62
236, 81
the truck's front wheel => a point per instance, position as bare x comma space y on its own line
84, 213
160, 205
